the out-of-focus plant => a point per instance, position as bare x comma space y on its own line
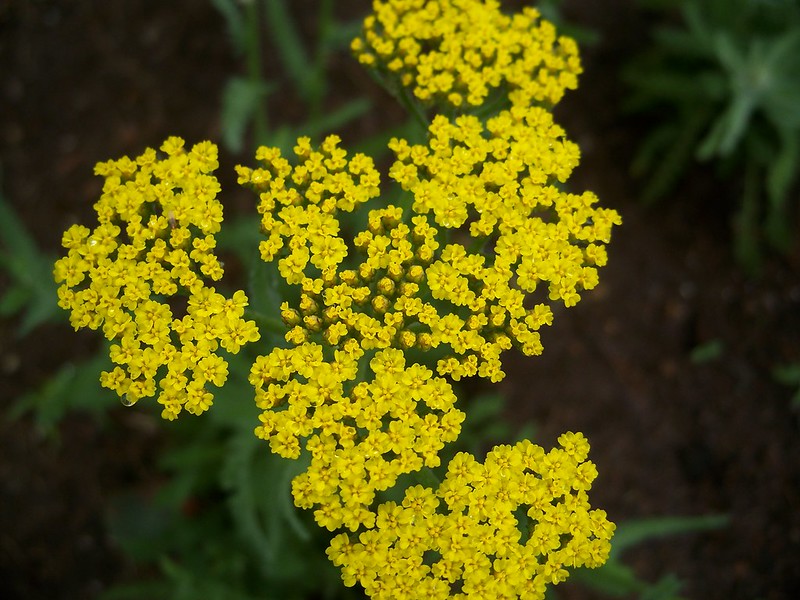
615, 579
722, 81
256, 26
788, 374
30, 289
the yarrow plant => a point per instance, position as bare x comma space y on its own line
380, 319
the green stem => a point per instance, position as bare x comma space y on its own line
321, 58
412, 106
254, 69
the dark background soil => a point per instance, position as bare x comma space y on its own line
82, 82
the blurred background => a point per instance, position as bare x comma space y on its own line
682, 368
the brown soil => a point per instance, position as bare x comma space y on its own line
83, 82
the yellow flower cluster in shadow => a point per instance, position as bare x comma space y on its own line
140, 275
460, 51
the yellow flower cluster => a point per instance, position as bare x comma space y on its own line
455, 272
300, 204
501, 529
495, 184
140, 275
459, 51
501, 182
361, 436
372, 301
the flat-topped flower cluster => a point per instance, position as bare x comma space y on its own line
465, 539
154, 244
386, 310
458, 52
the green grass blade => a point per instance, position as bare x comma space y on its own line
241, 101
291, 51
337, 118
631, 533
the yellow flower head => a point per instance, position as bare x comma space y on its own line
153, 246
457, 52
504, 528
299, 204
497, 187
360, 436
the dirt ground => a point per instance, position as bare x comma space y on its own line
83, 82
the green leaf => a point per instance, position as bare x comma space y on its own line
745, 222
376, 146
631, 533
339, 117
670, 149
13, 301
783, 169
237, 477
696, 24
616, 579
707, 352
191, 467
612, 579
267, 291
218, 584
788, 374
781, 174
33, 290
485, 407
729, 128
234, 407
137, 591
683, 44
240, 101
526, 432
74, 387
484, 423
229, 9
288, 470
781, 106
15, 236
261, 504
291, 51
666, 588
341, 34
729, 56
134, 521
